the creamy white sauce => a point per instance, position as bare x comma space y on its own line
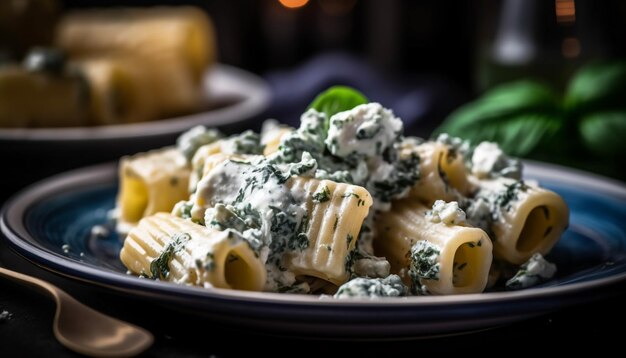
260, 188
277, 278
201, 251
222, 183
364, 145
379, 170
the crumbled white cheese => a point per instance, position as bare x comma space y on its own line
277, 279
5, 316
366, 130
372, 288
533, 272
424, 262
251, 198
189, 142
372, 267
488, 161
479, 213
457, 144
448, 213
485, 157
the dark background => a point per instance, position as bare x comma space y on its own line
423, 59
426, 58
440, 38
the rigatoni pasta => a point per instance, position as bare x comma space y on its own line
335, 213
445, 257
168, 248
345, 205
178, 36
175, 45
528, 219
443, 174
150, 183
271, 136
112, 67
40, 99
117, 90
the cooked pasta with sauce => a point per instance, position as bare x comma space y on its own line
344, 205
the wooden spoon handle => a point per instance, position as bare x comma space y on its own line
39, 285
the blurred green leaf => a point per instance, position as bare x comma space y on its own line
604, 133
519, 116
597, 86
338, 99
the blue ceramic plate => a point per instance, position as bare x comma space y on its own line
591, 256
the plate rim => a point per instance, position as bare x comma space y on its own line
256, 99
12, 226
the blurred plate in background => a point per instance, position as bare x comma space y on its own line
234, 96
237, 100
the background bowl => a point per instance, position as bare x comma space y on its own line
237, 100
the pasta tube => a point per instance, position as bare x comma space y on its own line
150, 182
175, 92
118, 91
271, 138
314, 224
336, 212
208, 157
181, 35
39, 99
199, 166
528, 219
166, 247
174, 44
442, 174
450, 259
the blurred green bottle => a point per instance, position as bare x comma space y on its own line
546, 40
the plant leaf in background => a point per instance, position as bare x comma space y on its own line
596, 99
604, 133
519, 116
337, 99
598, 86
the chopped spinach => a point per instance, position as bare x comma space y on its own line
424, 261
322, 194
160, 267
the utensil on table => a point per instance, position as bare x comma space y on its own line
83, 329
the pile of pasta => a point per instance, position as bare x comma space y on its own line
112, 66
344, 205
